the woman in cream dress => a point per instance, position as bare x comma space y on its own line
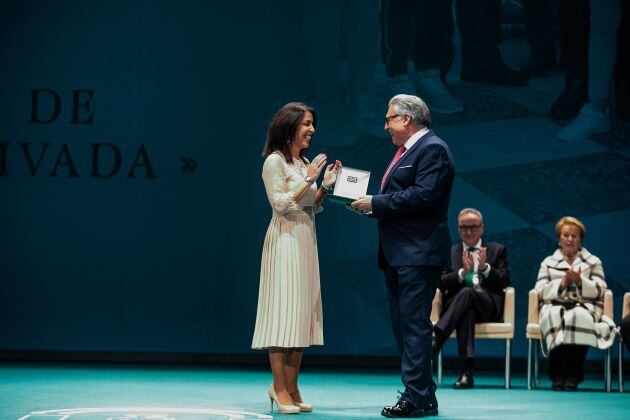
571, 289
289, 315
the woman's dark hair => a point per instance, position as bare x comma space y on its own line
283, 127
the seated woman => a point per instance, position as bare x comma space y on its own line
571, 291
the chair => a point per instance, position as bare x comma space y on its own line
534, 336
486, 330
625, 311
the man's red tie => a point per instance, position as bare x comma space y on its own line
399, 153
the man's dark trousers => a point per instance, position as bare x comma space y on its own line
411, 290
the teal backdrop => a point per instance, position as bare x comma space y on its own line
131, 201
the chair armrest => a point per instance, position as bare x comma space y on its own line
508, 306
436, 306
625, 310
608, 303
532, 307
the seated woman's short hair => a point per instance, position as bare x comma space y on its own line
570, 220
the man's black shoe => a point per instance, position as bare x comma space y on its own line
430, 410
570, 384
570, 100
403, 408
499, 74
465, 381
557, 384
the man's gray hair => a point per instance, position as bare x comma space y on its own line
412, 106
470, 210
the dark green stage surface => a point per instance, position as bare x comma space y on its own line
76, 391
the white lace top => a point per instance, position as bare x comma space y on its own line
280, 178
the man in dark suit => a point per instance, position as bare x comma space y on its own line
473, 290
411, 209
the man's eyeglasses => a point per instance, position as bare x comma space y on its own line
469, 227
391, 117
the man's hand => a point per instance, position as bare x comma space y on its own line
363, 205
467, 262
482, 258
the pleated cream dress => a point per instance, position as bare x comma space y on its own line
289, 299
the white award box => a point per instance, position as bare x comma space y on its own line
350, 185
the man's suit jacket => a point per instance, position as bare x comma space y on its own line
497, 280
412, 208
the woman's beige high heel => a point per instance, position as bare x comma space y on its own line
282, 409
302, 406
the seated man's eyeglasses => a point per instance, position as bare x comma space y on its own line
469, 227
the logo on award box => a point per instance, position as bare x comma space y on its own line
353, 179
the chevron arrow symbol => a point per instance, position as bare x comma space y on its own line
189, 165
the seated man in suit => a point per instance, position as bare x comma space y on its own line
473, 290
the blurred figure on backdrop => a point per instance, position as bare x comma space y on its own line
622, 65
359, 41
571, 289
289, 316
340, 39
421, 30
473, 290
593, 117
479, 23
336, 43
573, 22
411, 209
542, 53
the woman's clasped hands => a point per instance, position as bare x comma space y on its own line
314, 169
572, 276
330, 175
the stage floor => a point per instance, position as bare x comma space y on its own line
167, 392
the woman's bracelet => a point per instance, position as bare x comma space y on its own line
326, 189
